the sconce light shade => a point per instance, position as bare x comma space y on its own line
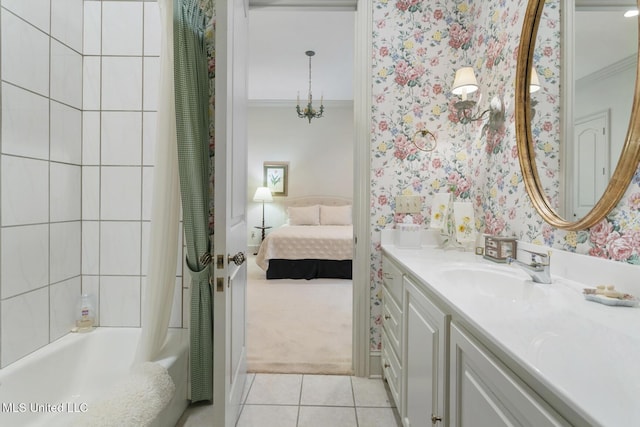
263, 194
534, 85
465, 82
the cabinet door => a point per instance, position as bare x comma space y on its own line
484, 393
424, 359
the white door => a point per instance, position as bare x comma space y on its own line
591, 162
229, 318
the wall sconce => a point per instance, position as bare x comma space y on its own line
534, 85
465, 83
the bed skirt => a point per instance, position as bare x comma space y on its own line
309, 269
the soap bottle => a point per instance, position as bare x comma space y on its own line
86, 314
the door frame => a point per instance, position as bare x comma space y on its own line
362, 357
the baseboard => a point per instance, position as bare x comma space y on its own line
375, 364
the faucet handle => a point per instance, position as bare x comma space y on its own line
544, 257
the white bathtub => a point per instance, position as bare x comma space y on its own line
58, 383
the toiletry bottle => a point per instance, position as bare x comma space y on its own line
86, 315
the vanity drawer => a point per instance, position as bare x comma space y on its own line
391, 369
391, 319
392, 278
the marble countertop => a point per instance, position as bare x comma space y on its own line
585, 353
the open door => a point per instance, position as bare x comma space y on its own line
230, 244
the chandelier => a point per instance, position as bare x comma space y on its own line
309, 112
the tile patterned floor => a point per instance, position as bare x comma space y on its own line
292, 400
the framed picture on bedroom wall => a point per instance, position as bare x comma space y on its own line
276, 176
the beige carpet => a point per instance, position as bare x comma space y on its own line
298, 326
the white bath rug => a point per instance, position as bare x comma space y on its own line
133, 402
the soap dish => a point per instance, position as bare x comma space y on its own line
626, 301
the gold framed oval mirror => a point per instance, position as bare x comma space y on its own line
628, 160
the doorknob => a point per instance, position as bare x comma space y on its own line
237, 259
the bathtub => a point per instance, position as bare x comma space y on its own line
58, 384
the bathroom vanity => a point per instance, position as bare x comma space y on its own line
469, 342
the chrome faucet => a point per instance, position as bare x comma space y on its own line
538, 269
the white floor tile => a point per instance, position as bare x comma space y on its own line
370, 392
329, 390
323, 416
275, 389
376, 417
268, 416
247, 387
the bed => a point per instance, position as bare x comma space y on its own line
316, 242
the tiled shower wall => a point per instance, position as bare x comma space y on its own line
79, 86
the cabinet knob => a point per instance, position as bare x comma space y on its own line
386, 365
435, 419
387, 317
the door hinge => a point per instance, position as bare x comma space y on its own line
220, 262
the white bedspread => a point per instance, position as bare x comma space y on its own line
333, 242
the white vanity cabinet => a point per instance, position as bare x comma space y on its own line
484, 393
424, 359
392, 327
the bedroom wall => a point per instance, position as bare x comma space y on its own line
320, 155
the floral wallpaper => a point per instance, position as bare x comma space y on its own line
417, 46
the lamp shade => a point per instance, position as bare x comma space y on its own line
465, 82
263, 194
534, 85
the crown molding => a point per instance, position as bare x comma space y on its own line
625, 64
286, 103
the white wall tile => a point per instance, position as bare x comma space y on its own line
25, 325
66, 75
149, 138
65, 249
25, 259
151, 80
90, 192
90, 138
119, 248
25, 191
25, 123
66, 134
65, 184
121, 83
151, 29
36, 12
25, 70
121, 138
91, 287
120, 193
92, 27
147, 193
119, 301
91, 85
63, 302
121, 28
66, 22
90, 247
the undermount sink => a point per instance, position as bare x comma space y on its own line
493, 282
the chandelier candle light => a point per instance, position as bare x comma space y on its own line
308, 112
